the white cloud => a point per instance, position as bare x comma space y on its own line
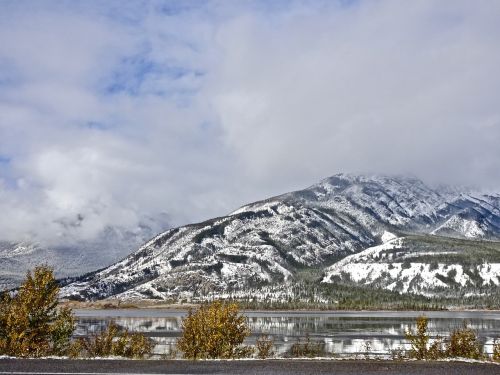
386, 86
112, 113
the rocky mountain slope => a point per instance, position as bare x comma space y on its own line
325, 228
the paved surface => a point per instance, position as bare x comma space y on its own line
277, 367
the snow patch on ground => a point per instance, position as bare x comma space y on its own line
376, 265
388, 236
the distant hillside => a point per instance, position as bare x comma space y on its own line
72, 259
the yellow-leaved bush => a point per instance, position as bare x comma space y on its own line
214, 330
462, 343
419, 340
31, 325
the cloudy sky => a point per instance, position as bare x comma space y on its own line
120, 112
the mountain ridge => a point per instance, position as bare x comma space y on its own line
267, 242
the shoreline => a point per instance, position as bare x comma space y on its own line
180, 309
141, 305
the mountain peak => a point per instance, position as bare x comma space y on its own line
267, 242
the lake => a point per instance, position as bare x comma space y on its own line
343, 333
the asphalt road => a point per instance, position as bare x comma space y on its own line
272, 367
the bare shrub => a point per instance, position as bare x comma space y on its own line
114, 342
398, 354
368, 349
307, 348
170, 353
496, 351
265, 347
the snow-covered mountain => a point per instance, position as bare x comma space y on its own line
326, 227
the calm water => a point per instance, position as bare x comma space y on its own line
343, 333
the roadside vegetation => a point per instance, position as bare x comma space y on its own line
264, 347
113, 342
307, 348
32, 324
215, 330
461, 343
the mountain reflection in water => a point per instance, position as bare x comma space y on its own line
344, 333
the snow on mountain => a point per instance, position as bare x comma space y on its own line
397, 265
267, 243
456, 224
